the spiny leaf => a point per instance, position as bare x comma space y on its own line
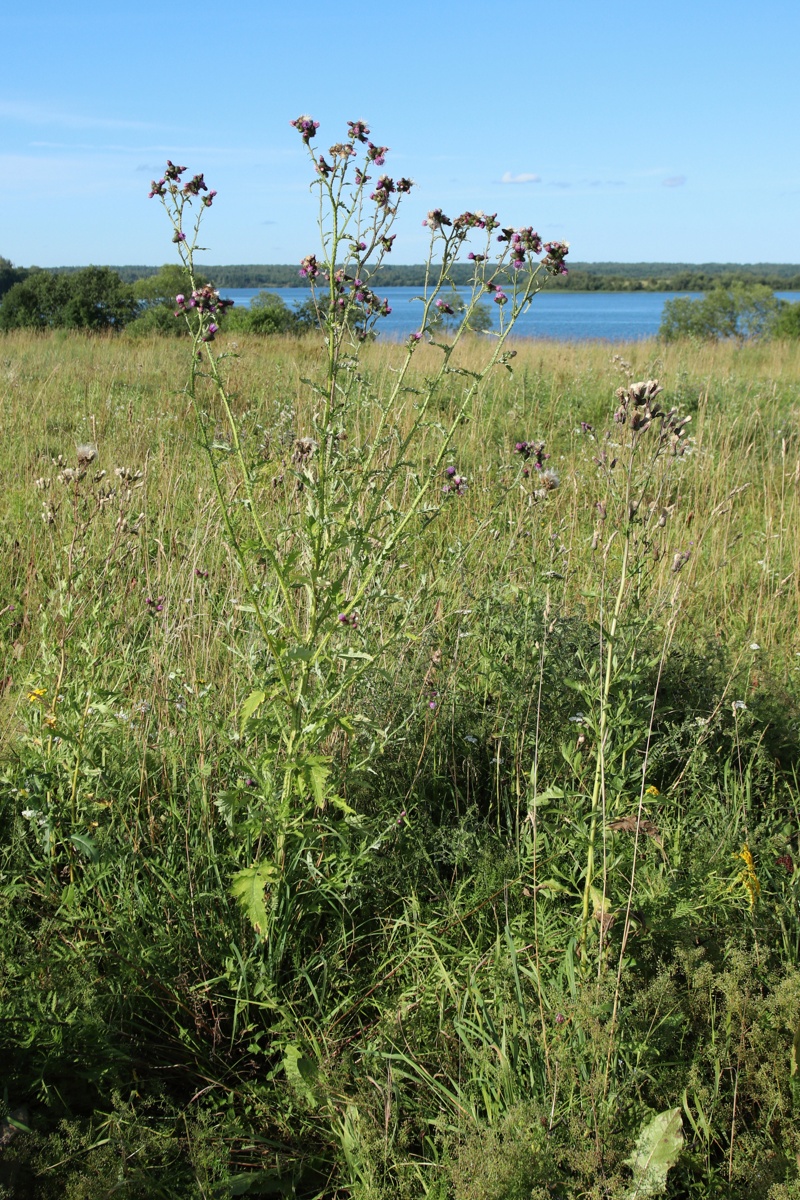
795, 1070
314, 772
84, 843
251, 705
247, 886
657, 1149
302, 1073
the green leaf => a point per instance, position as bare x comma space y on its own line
343, 806
657, 1149
251, 705
314, 770
247, 886
302, 1073
82, 842
795, 1070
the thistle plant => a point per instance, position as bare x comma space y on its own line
321, 579
636, 462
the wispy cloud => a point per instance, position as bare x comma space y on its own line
523, 178
34, 114
674, 181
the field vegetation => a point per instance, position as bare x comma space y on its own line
397, 764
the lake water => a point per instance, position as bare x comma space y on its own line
563, 316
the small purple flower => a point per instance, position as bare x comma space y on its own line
436, 219
556, 253
195, 186
209, 199
401, 818
377, 154
180, 300
444, 307
179, 236
306, 126
356, 130
309, 267
456, 485
157, 188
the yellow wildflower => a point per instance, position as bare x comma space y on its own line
652, 790
36, 695
748, 878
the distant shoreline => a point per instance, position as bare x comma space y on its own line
582, 277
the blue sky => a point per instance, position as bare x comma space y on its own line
637, 131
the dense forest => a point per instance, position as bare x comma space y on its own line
586, 277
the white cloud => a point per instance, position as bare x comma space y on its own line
524, 178
34, 114
674, 181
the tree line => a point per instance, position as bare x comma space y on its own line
99, 299
587, 277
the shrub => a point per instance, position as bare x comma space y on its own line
740, 311
269, 314
787, 322
93, 298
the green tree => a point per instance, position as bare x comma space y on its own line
741, 311
9, 275
155, 299
787, 322
94, 298
269, 314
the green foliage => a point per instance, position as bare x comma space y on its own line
787, 322
658, 1148
94, 299
9, 275
482, 891
269, 314
740, 312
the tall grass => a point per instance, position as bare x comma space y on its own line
441, 1027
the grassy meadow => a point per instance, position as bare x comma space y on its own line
465, 1002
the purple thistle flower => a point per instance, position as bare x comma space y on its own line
195, 186
377, 154
306, 126
357, 130
436, 219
